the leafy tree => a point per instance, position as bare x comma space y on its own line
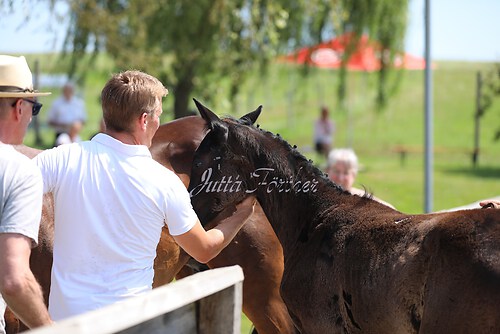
385, 22
191, 46
196, 46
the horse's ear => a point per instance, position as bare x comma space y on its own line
213, 121
207, 114
251, 117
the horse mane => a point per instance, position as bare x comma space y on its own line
253, 143
367, 194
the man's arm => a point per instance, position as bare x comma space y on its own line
204, 245
18, 286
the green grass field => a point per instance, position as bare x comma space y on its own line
291, 103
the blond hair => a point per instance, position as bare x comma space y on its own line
127, 95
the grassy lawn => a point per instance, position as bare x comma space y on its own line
291, 104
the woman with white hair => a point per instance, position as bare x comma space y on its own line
343, 168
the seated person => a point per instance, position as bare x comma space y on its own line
72, 136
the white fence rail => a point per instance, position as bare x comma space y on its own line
204, 303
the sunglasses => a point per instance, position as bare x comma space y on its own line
36, 106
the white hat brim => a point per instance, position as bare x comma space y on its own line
23, 94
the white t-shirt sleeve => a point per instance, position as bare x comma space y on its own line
46, 162
180, 215
22, 205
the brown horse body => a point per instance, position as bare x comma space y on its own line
353, 265
255, 248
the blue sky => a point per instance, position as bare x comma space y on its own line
460, 29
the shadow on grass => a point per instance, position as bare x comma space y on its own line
486, 172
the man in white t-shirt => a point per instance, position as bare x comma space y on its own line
67, 113
112, 200
20, 197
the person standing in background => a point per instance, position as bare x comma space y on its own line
324, 129
67, 114
21, 189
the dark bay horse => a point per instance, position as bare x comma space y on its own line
255, 248
353, 265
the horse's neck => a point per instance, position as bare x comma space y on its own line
294, 201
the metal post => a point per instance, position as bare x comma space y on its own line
428, 159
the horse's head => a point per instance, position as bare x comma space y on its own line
175, 142
218, 166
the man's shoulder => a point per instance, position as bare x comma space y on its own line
160, 169
9, 153
15, 163
162, 176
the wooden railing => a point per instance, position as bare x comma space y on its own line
205, 303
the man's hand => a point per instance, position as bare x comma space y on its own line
490, 203
205, 245
241, 212
245, 208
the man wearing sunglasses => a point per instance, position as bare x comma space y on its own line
21, 190
36, 106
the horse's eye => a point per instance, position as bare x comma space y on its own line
198, 164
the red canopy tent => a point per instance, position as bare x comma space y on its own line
365, 57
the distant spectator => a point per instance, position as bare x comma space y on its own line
324, 129
343, 168
67, 113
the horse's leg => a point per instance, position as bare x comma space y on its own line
170, 259
257, 250
12, 324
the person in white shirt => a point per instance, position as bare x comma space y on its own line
67, 113
20, 197
324, 129
112, 200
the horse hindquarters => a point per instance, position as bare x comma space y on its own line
463, 286
467, 302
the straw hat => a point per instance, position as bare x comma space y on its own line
15, 78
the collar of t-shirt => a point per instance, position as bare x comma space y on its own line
117, 145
